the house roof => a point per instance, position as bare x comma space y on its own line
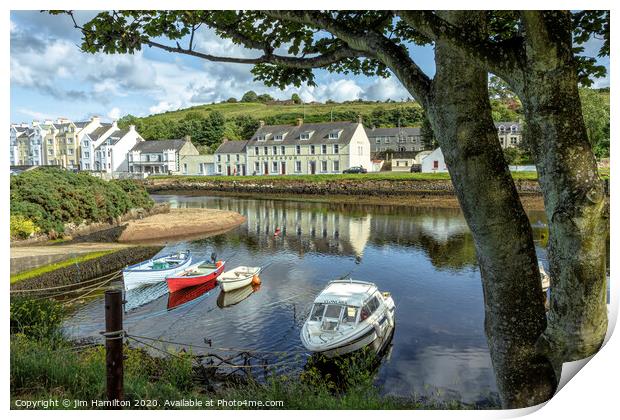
115, 137
158, 146
99, 131
232, 146
81, 124
508, 124
392, 132
319, 133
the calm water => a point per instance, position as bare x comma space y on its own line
424, 257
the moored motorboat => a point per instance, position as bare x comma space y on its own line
349, 315
194, 275
238, 277
155, 270
545, 278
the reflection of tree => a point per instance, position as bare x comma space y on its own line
457, 253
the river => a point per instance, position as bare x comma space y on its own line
424, 257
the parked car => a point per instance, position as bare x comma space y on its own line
416, 167
355, 170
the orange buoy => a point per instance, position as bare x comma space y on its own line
255, 280
218, 264
277, 232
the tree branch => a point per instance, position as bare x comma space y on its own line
371, 44
499, 58
267, 58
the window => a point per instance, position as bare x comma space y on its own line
513, 140
378, 140
435, 164
202, 168
219, 158
360, 150
266, 150
256, 167
275, 150
336, 166
219, 169
513, 128
336, 149
334, 135
350, 315
502, 128
237, 157
297, 166
369, 308
256, 151
86, 143
279, 137
283, 150
87, 155
71, 162
312, 149
304, 136
298, 149
260, 137
70, 151
274, 167
323, 166
317, 312
227, 158
324, 149
387, 139
185, 168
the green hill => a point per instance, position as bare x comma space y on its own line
209, 124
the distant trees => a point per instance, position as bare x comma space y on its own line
426, 132
295, 98
249, 96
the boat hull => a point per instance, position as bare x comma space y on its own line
138, 275
176, 283
228, 281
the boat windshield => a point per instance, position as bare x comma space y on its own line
331, 315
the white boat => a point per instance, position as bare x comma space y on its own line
347, 316
155, 270
237, 277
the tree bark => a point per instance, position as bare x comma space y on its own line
575, 202
460, 114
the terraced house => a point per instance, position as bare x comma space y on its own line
111, 154
231, 158
400, 139
317, 148
160, 156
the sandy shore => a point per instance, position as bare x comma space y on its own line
181, 223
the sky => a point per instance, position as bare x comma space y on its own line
51, 77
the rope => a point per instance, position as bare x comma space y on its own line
113, 335
218, 348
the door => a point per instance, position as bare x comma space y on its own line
228, 170
266, 168
243, 169
312, 167
283, 167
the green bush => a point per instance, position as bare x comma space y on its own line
52, 197
36, 318
22, 228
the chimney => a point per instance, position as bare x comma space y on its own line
224, 140
94, 118
300, 121
132, 127
186, 137
359, 118
261, 123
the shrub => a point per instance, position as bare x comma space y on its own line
52, 197
22, 228
36, 318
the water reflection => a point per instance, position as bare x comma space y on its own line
233, 297
184, 296
424, 257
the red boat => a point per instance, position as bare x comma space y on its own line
195, 275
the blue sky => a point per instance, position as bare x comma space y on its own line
51, 78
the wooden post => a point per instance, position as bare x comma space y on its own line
114, 345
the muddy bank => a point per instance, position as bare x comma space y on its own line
89, 269
353, 187
180, 223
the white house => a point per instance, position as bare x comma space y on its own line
231, 158
17, 155
111, 154
315, 148
85, 142
162, 157
90, 141
434, 162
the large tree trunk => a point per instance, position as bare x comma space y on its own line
460, 114
575, 201
514, 309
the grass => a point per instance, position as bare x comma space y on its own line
262, 110
57, 265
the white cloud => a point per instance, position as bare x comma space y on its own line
383, 89
39, 116
114, 114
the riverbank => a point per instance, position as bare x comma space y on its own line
394, 189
